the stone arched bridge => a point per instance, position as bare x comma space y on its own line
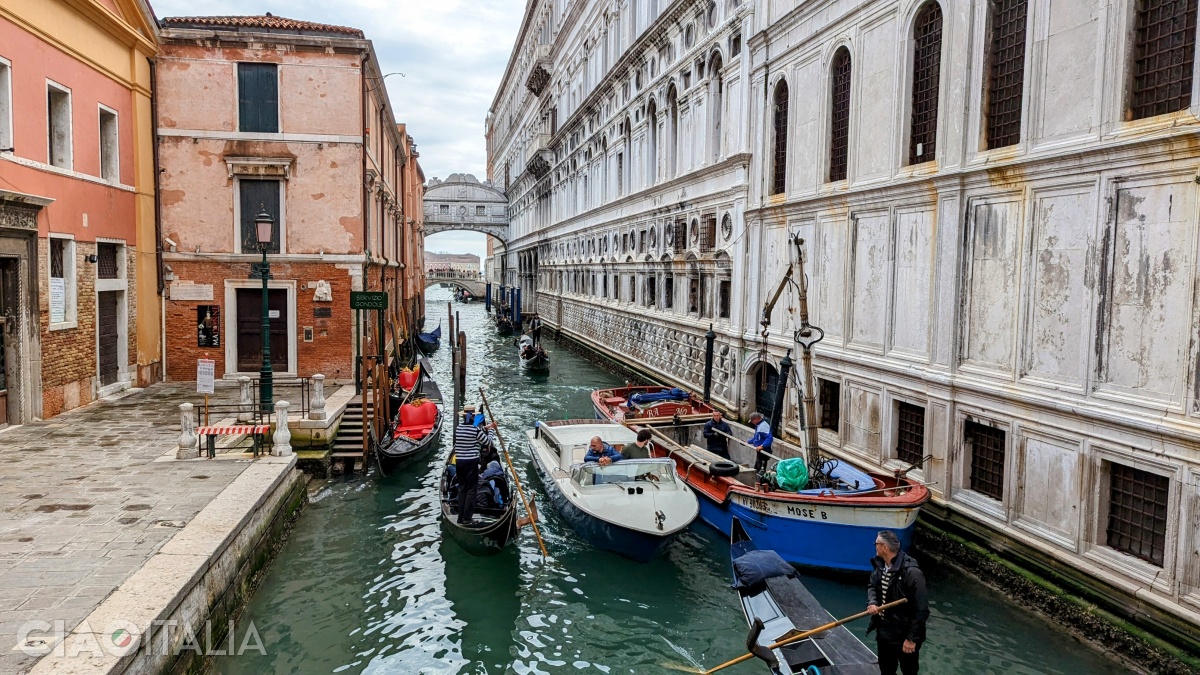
461, 202
472, 283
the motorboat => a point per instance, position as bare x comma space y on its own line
647, 402
631, 507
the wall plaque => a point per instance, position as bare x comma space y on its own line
322, 312
186, 290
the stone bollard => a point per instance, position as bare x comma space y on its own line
187, 434
245, 405
316, 407
282, 437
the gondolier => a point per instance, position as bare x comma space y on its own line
468, 439
899, 631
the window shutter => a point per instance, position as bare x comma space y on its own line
259, 195
258, 97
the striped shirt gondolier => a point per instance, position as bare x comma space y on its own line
468, 439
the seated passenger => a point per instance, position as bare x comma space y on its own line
640, 449
602, 453
492, 487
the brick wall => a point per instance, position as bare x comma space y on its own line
331, 351
68, 354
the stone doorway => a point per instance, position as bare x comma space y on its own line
766, 381
249, 329
8, 336
108, 336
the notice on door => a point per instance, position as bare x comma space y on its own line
206, 375
58, 300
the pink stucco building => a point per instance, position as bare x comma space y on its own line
262, 113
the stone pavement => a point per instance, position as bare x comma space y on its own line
84, 504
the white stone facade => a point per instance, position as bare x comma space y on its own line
1045, 290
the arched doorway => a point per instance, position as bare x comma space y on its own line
766, 380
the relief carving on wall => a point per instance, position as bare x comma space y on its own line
18, 216
323, 293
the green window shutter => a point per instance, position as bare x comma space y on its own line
258, 97
256, 196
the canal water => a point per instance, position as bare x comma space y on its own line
367, 584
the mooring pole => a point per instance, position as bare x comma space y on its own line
785, 371
461, 385
709, 338
487, 298
517, 310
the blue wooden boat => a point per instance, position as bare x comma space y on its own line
633, 507
429, 342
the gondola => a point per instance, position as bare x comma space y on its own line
429, 342
532, 357
786, 607
416, 430
504, 326
494, 527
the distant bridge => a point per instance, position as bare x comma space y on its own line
472, 283
461, 202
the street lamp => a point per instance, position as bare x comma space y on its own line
263, 226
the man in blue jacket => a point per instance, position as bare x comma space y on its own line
761, 441
602, 453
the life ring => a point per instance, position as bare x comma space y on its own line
724, 467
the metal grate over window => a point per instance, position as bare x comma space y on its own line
839, 139
1164, 51
1137, 512
681, 236
987, 458
830, 394
1006, 77
708, 234
57, 252
106, 261
779, 163
927, 66
910, 433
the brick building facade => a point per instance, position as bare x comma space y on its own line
262, 113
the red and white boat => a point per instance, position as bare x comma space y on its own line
629, 403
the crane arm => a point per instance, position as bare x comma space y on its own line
766, 313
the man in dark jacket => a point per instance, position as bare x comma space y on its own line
899, 631
718, 444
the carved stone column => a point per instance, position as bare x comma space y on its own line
187, 434
316, 407
283, 436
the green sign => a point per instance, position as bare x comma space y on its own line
368, 300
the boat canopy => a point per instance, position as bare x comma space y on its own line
852, 478
646, 398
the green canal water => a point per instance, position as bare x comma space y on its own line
367, 584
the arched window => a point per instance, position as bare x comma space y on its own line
672, 133
717, 110
779, 151
927, 66
1164, 52
624, 164
839, 128
651, 143
1006, 72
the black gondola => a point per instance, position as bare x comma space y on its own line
786, 607
494, 527
504, 326
416, 428
429, 342
532, 357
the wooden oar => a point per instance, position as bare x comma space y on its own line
524, 500
784, 642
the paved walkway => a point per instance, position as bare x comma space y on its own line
84, 504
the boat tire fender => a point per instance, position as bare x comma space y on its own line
724, 467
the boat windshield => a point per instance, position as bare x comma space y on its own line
656, 471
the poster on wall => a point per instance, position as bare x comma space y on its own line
58, 300
208, 326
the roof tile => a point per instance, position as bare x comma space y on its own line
259, 21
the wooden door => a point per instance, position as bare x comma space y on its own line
3, 370
249, 329
107, 336
765, 384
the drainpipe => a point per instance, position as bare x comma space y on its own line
158, 234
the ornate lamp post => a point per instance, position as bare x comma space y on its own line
263, 226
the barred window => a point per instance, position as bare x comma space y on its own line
723, 299
986, 445
1137, 513
927, 66
693, 295
1164, 52
910, 432
57, 254
839, 132
708, 233
1006, 72
779, 153
830, 395
106, 261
